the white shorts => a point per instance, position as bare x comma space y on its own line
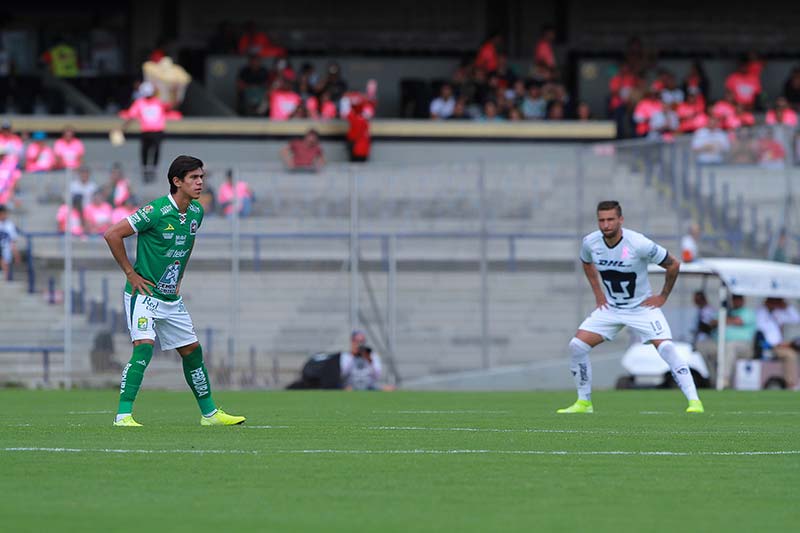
648, 322
148, 316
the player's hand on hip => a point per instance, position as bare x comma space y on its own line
655, 301
139, 284
602, 303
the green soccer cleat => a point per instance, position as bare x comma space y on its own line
580, 406
695, 406
221, 418
128, 421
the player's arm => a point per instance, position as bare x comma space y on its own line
594, 281
673, 268
115, 236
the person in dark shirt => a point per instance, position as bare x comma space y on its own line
251, 87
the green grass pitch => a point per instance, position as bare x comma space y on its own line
403, 461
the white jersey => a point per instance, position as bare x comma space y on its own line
623, 267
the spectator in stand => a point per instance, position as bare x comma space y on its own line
490, 112
691, 113
671, 94
119, 189
254, 41
745, 86
791, 89
443, 105
360, 368
74, 211
555, 110
486, 58
706, 318
39, 157
62, 59
224, 41
252, 86
644, 111
782, 113
516, 94
97, 214
770, 151
710, 144
152, 115
322, 108
689, 244
696, 82
583, 112
123, 211
8, 242
505, 74
543, 54
9, 176
620, 104
771, 319
332, 83
725, 111
68, 150
304, 154
83, 186
235, 196
460, 110
359, 141
283, 101
10, 144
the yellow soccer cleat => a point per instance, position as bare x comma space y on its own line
580, 406
128, 421
695, 406
221, 418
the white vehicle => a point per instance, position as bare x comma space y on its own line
748, 277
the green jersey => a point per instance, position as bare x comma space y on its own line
165, 242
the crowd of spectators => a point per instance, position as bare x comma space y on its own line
648, 101
488, 88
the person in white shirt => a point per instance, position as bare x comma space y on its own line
8, 242
442, 107
615, 263
83, 186
711, 144
361, 367
770, 321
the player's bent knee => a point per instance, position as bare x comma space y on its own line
143, 341
589, 337
189, 348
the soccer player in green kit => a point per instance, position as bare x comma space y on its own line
166, 229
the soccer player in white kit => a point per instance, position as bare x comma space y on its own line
615, 262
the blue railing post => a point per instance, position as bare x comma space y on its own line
385, 252
46, 366
256, 253
104, 304
51, 290
31, 272
512, 254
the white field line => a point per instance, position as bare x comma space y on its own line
266, 427
90, 412
406, 452
574, 431
454, 412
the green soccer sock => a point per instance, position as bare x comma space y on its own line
197, 378
132, 376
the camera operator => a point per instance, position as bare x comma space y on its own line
360, 368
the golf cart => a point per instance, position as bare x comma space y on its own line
747, 277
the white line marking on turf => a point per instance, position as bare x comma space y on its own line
409, 452
90, 412
576, 431
454, 412
267, 427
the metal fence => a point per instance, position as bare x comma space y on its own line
448, 266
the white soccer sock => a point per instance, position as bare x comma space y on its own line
680, 369
581, 368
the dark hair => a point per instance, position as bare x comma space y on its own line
3, 208
610, 204
182, 165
